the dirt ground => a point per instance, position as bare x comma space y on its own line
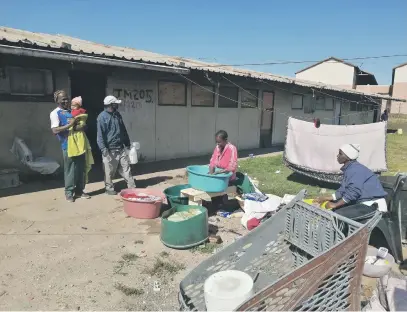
88, 255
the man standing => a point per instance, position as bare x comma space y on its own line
74, 167
113, 139
384, 116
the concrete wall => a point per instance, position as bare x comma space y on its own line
30, 121
167, 132
399, 90
330, 72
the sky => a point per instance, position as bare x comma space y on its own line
231, 31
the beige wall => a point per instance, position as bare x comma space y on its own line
399, 90
30, 121
330, 72
377, 89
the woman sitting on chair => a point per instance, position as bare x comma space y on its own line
359, 183
224, 156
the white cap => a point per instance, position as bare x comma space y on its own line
351, 150
110, 99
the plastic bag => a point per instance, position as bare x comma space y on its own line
133, 153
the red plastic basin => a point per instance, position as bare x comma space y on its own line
142, 210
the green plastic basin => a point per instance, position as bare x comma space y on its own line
184, 234
173, 195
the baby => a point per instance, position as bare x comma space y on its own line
76, 107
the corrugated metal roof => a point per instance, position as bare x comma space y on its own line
75, 45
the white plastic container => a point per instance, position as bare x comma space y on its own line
227, 290
133, 155
379, 269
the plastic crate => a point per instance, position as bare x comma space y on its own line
291, 249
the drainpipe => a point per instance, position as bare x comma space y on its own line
21, 51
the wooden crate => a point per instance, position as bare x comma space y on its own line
196, 196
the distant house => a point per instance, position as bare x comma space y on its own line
399, 81
171, 105
340, 73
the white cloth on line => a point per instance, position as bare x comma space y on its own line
315, 149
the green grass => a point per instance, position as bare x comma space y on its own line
129, 291
162, 268
207, 248
284, 182
287, 182
396, 153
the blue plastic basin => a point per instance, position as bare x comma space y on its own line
199, 179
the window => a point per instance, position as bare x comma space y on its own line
203, 97
298, 102
319, 103
172, 93
355, 107
329, 104
29, 81
228, 97
249, 98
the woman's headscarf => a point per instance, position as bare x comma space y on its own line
351, 150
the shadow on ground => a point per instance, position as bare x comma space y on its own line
36, 183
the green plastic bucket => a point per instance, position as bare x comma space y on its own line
173, 195
184, 234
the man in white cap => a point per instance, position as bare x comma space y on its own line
113, 139
359, 183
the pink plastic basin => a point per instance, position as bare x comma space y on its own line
142, 210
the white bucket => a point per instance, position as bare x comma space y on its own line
227, 290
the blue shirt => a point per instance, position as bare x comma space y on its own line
359, 184
111, 131
63, 116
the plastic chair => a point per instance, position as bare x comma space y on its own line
387, 231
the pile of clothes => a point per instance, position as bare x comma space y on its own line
257, 207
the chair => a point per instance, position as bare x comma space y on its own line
387, 231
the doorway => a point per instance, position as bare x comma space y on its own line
92, 88
266, 128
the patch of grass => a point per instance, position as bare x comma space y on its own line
162, 268
118, 268
208, 248
129, 257
127, 260
396, 153
129, 291
285, 181
164, 254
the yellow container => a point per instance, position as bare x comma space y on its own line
310, 202
399, 131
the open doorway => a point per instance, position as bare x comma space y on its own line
92, 88
266, 129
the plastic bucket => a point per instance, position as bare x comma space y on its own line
142, 210
173, 194
227, 290
199, 179
184, 234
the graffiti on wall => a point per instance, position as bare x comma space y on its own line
133, 99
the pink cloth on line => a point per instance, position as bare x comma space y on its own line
227, 159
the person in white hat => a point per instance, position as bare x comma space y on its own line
359, 183
113, 140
